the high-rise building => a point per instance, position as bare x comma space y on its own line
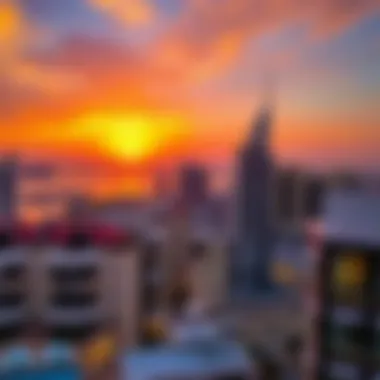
288, 195
298, 197
344, 301
193, 184
8, 188
255, 230
315, 188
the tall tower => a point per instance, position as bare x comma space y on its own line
9, 167
193, 184
255, 230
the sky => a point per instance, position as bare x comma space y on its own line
124, 88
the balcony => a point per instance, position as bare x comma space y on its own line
74, 274
12, 309
11, 300
72, 259
12, 314
74, 300
11, 256
74, 316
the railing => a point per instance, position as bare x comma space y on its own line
12, 255
66, 258
74, 316
11, 314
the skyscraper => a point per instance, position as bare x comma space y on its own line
255, 231
8, 187
193, 184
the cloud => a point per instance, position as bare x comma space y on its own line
113, 73
129, 12
333, 17
18, 71
210, 35
105, 78
13, 30
82, 73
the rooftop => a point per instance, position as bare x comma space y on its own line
352, 217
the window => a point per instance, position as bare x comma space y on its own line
70, 275
73, 299
11, 300
349, 343
12, 273
349, 276
77, 333
5, 240
78, 241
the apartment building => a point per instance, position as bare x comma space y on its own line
344, 302
179, 267
76, 279
14, 255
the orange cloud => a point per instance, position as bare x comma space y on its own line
17, 35
130, 12
12, 31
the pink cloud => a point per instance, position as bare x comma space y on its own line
215, 32
130, 12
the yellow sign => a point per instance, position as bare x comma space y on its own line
350, 270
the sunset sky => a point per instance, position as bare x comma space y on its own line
126, 86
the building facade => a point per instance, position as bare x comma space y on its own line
72, 280
9, 172
255, 226
344, 303
77, 279
193, 184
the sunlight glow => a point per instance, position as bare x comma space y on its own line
134, 139
131, 137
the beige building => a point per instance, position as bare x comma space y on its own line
179, 265
73, 285
77, 282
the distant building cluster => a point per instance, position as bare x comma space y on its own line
85, 277
142, 265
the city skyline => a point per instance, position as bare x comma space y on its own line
126, 87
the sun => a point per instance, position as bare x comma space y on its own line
132, 138
129, 137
